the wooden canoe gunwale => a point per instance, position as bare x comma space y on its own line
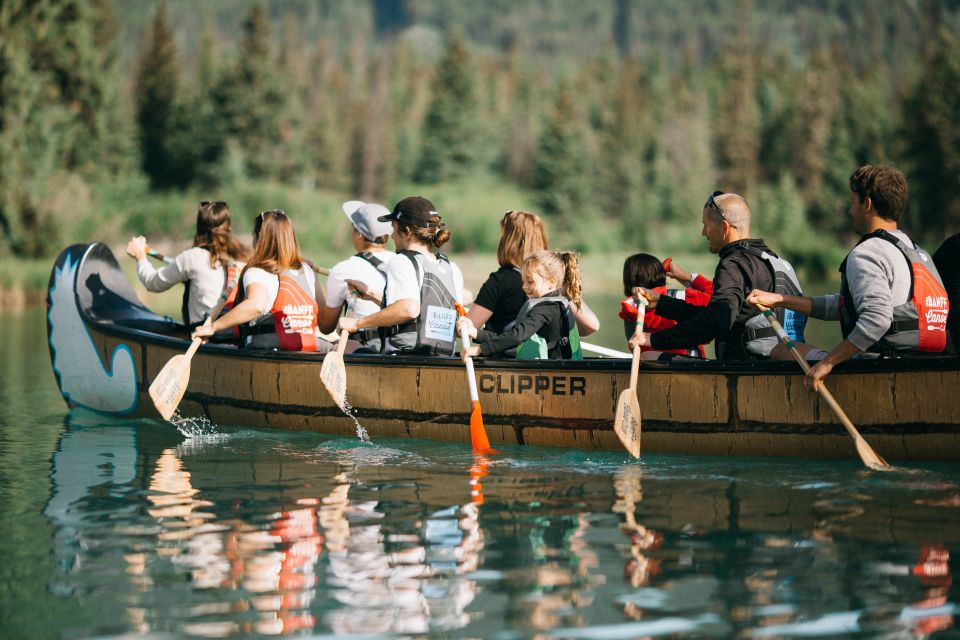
709, 407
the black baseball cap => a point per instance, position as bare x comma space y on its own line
416, 211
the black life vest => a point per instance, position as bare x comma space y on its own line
536, 347
371, 337
433, 332
920, 323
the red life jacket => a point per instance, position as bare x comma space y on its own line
292, 321
295, 313
698, 296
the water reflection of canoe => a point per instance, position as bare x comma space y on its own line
106, 348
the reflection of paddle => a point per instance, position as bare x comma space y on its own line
478, 435
478, 471
870, 457
333, 373
168, 387
626, 424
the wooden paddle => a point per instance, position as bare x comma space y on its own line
869, 457
626, 424
478, 435
168, 387
333, 373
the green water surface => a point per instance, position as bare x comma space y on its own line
112, 528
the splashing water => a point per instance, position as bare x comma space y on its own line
361, 432
193, 427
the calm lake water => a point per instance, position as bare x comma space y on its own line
131, 528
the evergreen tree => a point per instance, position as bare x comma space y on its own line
253, 102
561, 173
449, 133
157, 98
932, 141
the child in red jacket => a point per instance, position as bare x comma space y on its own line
644, 270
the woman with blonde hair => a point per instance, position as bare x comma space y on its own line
206, 269
500, 298
279, 296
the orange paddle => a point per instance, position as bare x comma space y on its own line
478, 435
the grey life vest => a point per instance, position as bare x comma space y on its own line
927, 301
759, 337
537, 347
434, 331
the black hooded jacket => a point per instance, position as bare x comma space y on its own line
737, 274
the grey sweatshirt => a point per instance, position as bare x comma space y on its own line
879, 279
193, 265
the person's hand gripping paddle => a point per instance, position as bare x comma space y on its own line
626, 424
478, 435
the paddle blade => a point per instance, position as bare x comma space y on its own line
168, 387
626, 424
478, 435
333, 375
870, 458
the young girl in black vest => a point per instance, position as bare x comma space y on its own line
545, 326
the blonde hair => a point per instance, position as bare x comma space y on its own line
562, 267
276, 248
521, 234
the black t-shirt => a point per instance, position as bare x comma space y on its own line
947, 260
503, 295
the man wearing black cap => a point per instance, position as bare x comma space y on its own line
358, 281
419, 315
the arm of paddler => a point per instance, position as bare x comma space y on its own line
800, 304
253, 306
587, 320
395, 313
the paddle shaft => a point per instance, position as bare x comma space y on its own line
603, 351
870, 457
635, 364
159, 256
471, 378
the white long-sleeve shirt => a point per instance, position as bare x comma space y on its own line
193, 265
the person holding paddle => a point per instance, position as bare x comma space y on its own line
279, 295
891, 300
422, 289
206, 269
357, 283
739, 330
545, 326
500, 298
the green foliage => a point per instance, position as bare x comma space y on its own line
932, 141
449, 130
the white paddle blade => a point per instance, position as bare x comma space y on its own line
626, 424
333, 375
168, 387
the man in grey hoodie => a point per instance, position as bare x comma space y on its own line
876, 306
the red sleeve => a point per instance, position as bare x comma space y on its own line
702, 283
628, 310
652, 322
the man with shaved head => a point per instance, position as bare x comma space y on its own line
746, 263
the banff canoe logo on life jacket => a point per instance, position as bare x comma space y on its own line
937, 308
298, 318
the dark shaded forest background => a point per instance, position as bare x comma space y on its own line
612, 118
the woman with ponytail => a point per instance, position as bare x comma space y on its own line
206, 269
423, 286
546, 326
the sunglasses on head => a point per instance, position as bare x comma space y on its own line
273, 212
204, 203
711, 202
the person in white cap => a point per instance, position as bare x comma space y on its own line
358, 282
